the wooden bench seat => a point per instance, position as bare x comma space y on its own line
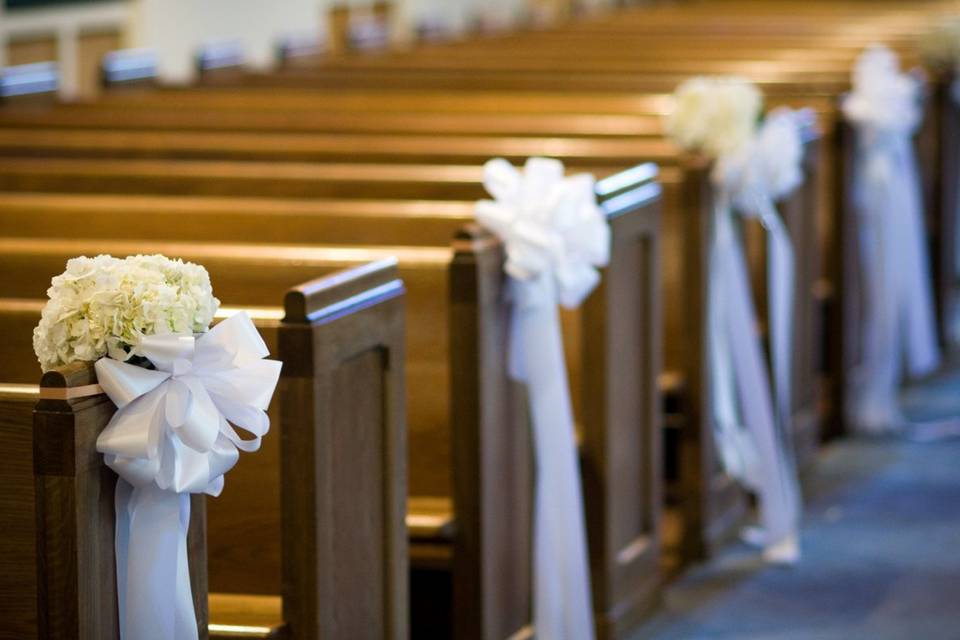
306, 147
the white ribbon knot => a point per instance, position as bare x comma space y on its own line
899, 329
555, 237
172, 436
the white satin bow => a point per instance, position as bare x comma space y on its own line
173, 424
555, 237
899, 329
551, 225
883, 99
172, 436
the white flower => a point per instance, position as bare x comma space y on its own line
105, 306
714, 115
940, 45
550, 225
883, 99
769, 165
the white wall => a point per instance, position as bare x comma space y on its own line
177, 28
65, 23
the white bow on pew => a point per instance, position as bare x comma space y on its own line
754, 433
172, 436
899, 330
555, 238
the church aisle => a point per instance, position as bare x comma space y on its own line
881, 538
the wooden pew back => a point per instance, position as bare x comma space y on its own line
343, 450
18, 558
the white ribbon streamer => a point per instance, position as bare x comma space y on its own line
899, 330
172, 436
555, 237
756, 444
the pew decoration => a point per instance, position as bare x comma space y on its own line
179, 390
753, 168
899, 330
556, 238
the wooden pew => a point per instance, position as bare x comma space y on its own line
421, 149
251, 508
339, 318
380, 180
18, 556
343, 470
622, 482
939, 139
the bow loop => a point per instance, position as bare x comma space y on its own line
172, 427
551, 226
768, 166
124, 382
883, 99
163, 351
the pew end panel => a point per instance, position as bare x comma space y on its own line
343, 448
75, 513
713, 505
492, 451
621, 446
18, 578
946, 270
845, 323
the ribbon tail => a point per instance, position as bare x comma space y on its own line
899, 331
775, 482
923, 353
735, 452
563, 608
874, 405
153, 577
781, 284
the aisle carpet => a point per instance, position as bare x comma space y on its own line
881, 542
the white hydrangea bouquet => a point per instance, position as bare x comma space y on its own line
105, 306
181, 389
714, 114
